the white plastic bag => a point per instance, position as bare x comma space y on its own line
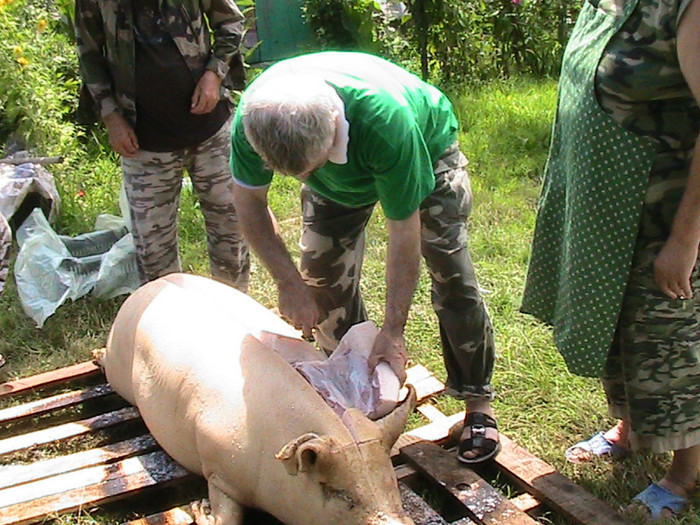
26, 186
344, 379
52, 268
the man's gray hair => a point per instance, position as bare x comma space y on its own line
290, 121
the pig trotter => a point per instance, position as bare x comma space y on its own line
201, 511
98, 356
219, 509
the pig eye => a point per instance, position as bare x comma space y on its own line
342, 495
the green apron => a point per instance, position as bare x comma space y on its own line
589, 212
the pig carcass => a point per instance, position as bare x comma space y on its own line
187, 352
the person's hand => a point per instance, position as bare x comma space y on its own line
390, 348
206, 93
297, 304
673, 268
122, 136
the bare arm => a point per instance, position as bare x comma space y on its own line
296, 302
403, 265
676, 261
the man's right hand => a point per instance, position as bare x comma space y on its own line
121, 135
297, 304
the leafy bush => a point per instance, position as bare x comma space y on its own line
38, 75
455, 41
350, 24
39, 86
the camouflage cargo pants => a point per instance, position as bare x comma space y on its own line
652, 375
153, 182
332, 245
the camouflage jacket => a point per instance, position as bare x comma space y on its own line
106, 48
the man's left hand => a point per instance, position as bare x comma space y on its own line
392, 350
206, 94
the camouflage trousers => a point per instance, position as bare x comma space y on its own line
5, 244
332, 249
153, 181
652, 375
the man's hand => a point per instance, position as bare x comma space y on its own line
673, 268
297, 304
206, 94
392, 350
122, 136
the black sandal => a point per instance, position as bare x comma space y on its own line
477, 423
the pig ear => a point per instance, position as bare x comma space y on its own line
300, 454
391, 425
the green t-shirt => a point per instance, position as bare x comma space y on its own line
399, 128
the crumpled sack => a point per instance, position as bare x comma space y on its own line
344, 379
52, 268
24, 187
5, 244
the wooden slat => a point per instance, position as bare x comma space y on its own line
403, 441
67, 430
437, 430
176, 516
542, 482
558, 492
62, 375
526, 502
420, 377
486, 505
93, 486
413, 504
425, 383
536, 477
12, 475
42, 406
431, 412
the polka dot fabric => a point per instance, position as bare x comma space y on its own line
588, 217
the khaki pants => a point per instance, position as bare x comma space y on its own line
153, 182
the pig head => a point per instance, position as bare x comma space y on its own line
186, 351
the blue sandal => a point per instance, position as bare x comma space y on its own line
598, 446
656, 498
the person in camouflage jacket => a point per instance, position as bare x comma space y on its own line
106, 46
157, 71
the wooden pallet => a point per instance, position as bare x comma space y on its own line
69, 444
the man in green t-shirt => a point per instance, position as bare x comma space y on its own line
357, 130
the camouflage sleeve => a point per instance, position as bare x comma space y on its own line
94, 70
226, 22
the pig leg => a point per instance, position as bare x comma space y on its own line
220, 509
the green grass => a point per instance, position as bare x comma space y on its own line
541, 406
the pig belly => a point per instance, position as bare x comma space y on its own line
184, 375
